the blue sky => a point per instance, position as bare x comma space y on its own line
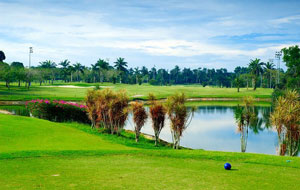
194, 34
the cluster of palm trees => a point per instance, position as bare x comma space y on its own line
99, 69
257, 69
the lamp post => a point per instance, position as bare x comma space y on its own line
277, 56
30, 52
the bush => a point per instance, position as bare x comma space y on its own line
60, 111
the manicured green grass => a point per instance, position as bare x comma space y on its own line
28, 134
38, 154
134, 91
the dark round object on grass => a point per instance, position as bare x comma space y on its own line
227, 166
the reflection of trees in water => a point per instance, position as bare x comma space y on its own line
247, 116
262, 113
213, 109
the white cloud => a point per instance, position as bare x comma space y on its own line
58, 33
295, 19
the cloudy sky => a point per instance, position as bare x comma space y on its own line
194, 34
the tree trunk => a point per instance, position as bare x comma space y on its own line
254, 83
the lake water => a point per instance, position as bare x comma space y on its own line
212, 128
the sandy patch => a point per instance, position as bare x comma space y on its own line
72, 86
6, 112
137, 96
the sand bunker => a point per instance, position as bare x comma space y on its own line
72, 86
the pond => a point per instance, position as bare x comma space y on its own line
212, 128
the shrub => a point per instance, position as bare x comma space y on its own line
158, 115
286, 119
60, 111
108, 109
139, 117
179, 115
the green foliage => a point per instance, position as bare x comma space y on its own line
59, 111
291, 56
2, 56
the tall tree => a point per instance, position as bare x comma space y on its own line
101, 66
64, 70
269, 67
2, 56
78, 68
18, 69
121, 66
256, 69
291, 56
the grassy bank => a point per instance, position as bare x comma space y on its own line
38, 154
78, 92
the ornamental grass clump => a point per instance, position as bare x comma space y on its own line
60, 111
90, 101
108, 109
286, 119
139, 117
179, 115
157, 115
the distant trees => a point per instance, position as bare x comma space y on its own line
102, 71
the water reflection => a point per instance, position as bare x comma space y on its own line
213, 128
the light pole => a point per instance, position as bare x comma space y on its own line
30, 52
277, 56
271, 62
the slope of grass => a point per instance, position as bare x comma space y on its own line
134, 91
28, 134
38, 154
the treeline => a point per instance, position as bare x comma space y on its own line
257, 74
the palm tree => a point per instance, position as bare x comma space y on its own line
269, 66
121, 65
78, 68
47, 64
256, 69
101, 65
71, 70
65, 72
286, 119
94, 71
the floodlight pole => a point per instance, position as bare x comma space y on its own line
30, 52
277, 56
